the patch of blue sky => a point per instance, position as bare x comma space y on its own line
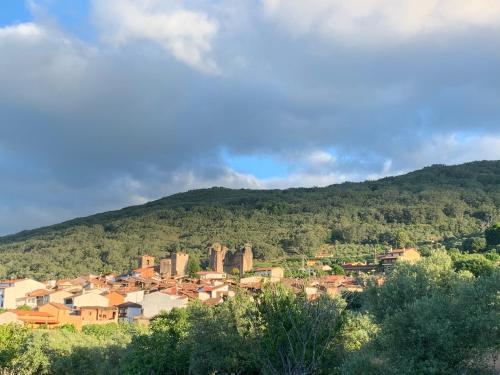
74, 16
13, 12
260, 166
466, 136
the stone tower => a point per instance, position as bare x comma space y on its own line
242, 260
179, 263
246, 259
217, 253
147, 261
166, 268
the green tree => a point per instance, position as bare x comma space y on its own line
492, 235
408, 282
474, 244
447, 313
357, 331
193, 265
449, 334
223, 338
162, 350
337, 269
12, 338
24, 308
401, 239
298, 335
475, 263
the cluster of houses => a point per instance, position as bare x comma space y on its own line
151, 289
384, 262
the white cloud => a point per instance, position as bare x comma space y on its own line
184, 33
22, 30
454, 149
320, 157
368, 21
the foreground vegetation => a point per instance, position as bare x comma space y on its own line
426, 319
437, 204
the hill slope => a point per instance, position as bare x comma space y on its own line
434, 203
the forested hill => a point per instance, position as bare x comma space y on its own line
437, 203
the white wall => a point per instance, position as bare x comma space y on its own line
135, 297
18, 291
156, 302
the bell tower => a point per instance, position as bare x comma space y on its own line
147, 261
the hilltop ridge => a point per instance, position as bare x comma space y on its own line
434, 203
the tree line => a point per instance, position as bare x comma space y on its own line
436, 205
428, 318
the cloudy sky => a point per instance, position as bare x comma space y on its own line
108, 103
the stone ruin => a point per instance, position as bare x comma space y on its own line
222, 260
176, 265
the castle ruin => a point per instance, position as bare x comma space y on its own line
179, 263
221, 260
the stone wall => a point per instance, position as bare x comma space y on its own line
179, 263
221, 260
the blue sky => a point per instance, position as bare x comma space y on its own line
105, 104
14, 11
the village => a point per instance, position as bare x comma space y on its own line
156, 287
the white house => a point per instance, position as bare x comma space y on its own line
276, 273
157, 302
13, 292
128, 311
86, 299
136, 296
58, 296
213, 291
211, 275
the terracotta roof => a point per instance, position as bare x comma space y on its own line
60, 306
39, 293
31, 313
37, 317
255, 285
59, 291
143, 269
63, 281
105, 294
212, 301
189, 294
97, 308
189, 286
13, 281
333, 278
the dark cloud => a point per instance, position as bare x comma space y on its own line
87, 126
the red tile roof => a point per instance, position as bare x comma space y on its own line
212, 301
31, 313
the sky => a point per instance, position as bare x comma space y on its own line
106, 104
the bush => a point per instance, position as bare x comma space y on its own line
474, 244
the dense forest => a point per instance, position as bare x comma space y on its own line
438, 205
427, 318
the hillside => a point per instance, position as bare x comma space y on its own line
433, 204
